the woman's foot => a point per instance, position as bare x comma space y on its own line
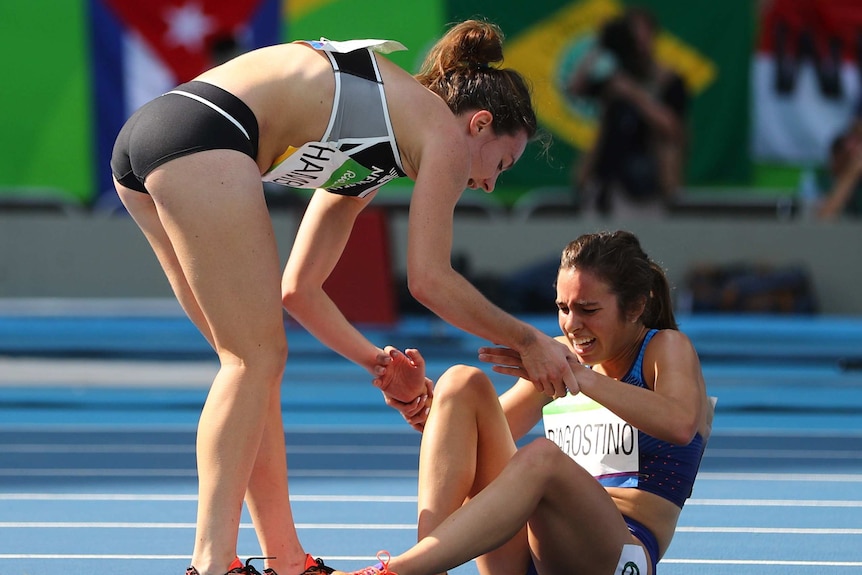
312, 567
235, 568
381, 568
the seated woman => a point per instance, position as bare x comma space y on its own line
535, 509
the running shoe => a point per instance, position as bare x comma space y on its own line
312, 567
235, 568
381, 568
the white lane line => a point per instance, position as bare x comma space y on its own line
785, 453
168, 525
389, 527
702, 476
773, 477
825, 503
43, 472
161, 449
785, 563
334, 559
190, 497
774, 503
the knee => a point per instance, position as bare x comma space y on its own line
542, 460
264, 362
465, 384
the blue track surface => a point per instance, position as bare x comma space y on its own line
97, 418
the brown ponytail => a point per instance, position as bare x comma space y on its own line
459, 69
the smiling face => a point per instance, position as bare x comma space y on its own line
591, 319
492, 154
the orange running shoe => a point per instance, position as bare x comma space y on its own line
381, 568
235, 568
312, 567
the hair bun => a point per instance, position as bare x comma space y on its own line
477, 43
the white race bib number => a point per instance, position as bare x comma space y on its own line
596, 438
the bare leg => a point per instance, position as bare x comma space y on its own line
268, 498
574, 524
465, 445
214, 238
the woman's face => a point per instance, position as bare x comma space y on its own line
590, 318
492, 155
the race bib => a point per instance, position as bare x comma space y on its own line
316, 165
596, 438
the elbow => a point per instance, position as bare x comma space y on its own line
683, 431
291, 297
425, 287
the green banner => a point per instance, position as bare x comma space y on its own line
46, 135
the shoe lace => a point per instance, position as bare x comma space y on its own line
248, 568
319, 569
384, 557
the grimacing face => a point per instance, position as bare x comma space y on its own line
590, 318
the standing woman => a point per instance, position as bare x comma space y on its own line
340, 118
563, 506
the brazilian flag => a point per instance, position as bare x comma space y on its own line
708, 43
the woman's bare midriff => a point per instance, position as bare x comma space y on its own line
289, 87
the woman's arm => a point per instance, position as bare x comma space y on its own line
434, 283
672, 410
320, 241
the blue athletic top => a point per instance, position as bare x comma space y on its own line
665, 469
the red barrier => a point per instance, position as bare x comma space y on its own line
362, 284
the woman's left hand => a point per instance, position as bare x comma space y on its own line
414, 412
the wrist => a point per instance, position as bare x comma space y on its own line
528, 336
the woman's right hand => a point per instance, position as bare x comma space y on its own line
544, 362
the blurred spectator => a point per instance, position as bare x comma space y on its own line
843, 180
636, 165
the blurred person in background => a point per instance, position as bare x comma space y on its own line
637, 164
841, 190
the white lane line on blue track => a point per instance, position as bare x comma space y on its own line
334, 559
773, 477
176, 525
189, 497
391, 527
766, 563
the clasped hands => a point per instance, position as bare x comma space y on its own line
405, 386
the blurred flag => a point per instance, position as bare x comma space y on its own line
143, 49
805, 78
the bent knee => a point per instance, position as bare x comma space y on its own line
543, 457
466, 383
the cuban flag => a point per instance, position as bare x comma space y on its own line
143, 49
